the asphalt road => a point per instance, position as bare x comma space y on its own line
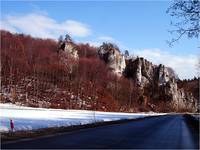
164, 132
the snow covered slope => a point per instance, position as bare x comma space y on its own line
28, 118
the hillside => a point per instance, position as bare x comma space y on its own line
191, 86
45, 73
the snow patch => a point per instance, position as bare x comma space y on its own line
29, 118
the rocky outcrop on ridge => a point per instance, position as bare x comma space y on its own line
111, 55
160, 82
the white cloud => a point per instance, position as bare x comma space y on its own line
76, 28
40, 25
4, 25
184, 66
106, 38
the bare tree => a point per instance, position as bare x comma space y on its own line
126, 53
187, 12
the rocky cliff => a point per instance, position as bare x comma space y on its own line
111, 55
159, 83
68, 47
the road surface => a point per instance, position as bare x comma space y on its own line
170, 132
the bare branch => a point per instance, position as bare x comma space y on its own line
188, 13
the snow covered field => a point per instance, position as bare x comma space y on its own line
28, 118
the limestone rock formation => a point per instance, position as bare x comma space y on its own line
68, 47
112, 56
161, 83
140, 70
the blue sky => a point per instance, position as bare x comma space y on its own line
140, 27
